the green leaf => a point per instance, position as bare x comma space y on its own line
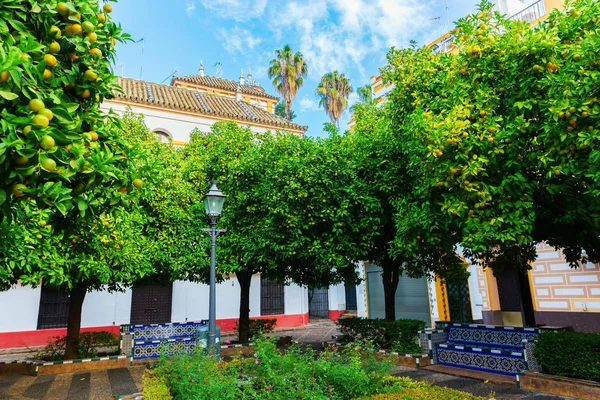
2, 196
8, 95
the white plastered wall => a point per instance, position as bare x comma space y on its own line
19, 308
295, 299
101, 308
179, 126
190, 300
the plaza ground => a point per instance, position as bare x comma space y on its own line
111, 384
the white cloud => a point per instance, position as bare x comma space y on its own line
332, 34
339, 34
190, 7
239, 10
307, 104
238, 40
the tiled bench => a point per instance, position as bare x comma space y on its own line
488, 348
148, 341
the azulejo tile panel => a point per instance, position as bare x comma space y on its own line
497, 363
154, 349
495, 337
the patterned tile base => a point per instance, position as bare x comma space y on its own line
481, 361
163, 331
154, 348
508, 338
529, 357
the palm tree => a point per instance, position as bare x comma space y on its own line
365, 94
288, 70
333, 92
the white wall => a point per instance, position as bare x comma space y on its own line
101, 308
295, 299
190, 300
179, 126
19, 308
361, 298
475, 293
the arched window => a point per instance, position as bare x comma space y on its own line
163, 136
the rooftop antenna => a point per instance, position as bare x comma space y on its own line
122, 65
142, 64
174, 72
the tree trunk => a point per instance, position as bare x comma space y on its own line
245, 279
74, 322
390, 278
288, 109
526, 300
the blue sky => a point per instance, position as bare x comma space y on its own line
351, 36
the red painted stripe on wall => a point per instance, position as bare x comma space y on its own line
283, 321
41, 337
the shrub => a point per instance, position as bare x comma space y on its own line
406, 389
349, 373
89, 342
570, 354
155, 387
258, 327
271, 374
399, 335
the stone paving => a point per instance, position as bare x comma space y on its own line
474, 386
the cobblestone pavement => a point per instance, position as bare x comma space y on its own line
473, 386
92, 385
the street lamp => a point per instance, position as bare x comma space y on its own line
213, 204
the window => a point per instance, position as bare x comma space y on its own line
54, 308
163, 136
271, 297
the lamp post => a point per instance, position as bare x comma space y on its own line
213, 204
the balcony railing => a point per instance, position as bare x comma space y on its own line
532, 13
444, 45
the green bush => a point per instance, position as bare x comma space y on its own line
89, 342
347, 373
406, 389
570, 354
258, 327
399, 335
271, 374
155, 387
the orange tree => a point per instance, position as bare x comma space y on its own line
173, 208
292, 211
501, 137
381, 169
67, 218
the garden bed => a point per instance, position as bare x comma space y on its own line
405, 360
560, 386
40, 368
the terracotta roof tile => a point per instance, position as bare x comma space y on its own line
225, 84
197, 102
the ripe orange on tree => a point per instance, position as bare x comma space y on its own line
41, 120
36, 105
47, 142
17, 190
48, 164
54, 48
